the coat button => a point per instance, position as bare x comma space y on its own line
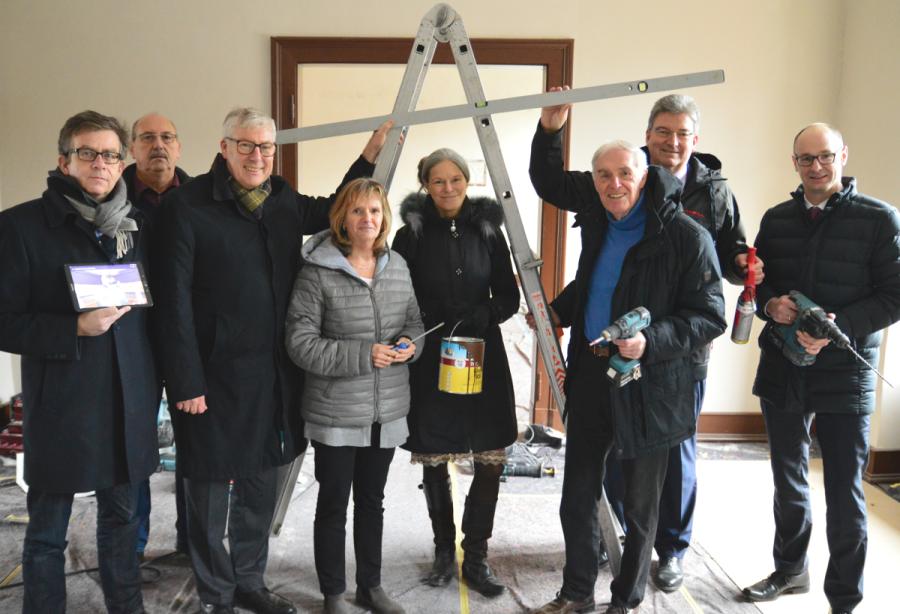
458, 272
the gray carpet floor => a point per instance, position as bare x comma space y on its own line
526, 553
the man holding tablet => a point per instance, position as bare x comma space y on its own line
89, 381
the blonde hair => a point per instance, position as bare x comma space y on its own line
350, 194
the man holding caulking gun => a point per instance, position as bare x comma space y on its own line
671, 139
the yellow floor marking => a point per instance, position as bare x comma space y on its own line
687, 597
11, 576
457, 520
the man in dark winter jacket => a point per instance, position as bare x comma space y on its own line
672, 134
638, 249
156, 149
227, 251
89, 379
841, 249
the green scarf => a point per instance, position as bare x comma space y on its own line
253, 198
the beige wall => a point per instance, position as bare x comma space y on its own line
786, 64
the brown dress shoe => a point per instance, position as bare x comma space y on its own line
561, 605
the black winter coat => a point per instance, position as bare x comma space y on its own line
223, 282
466, 275
672, 271
90, 402
847, 261
708, 200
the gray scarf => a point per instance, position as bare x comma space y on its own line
110, 217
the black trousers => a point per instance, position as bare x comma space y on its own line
844, 440
338, 468
589, 438
244, 511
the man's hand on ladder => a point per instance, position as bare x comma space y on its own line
554, 118
376, 141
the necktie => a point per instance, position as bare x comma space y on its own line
813, 213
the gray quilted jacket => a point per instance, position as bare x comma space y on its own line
333, 320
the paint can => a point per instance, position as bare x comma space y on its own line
462, 362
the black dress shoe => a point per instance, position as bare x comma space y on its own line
669, 575
263, 601
777, 584
561, 605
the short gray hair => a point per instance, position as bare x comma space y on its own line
638, 158
436, 157
246, 117
675, 104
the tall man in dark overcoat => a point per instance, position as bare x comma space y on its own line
228, 252
638, 249
89, 382
841, 249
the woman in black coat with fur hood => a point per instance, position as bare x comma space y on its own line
461, 272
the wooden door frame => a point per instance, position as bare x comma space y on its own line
555, 55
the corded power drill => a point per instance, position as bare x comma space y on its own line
623, 370
812, 320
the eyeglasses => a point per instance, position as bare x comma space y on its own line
148, 138
665, 133
824, 159
267, 150
86, 154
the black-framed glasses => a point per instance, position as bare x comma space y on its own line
824, 159
148, 138
267, 150
86, 154
665, 133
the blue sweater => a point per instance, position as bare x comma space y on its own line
620, 237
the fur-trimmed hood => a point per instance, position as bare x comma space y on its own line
481, 212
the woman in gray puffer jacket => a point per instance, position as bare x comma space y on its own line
352, 316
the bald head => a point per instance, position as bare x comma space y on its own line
819, 159
819, 127
155, 149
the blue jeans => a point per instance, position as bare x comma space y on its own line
142, 511
844, 440
43, 558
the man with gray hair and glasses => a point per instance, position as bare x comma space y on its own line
89, 379
638, 249
841, 249
225, 261
673, 131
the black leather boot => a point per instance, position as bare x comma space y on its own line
477, 525
440, 510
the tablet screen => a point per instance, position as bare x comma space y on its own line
108, 285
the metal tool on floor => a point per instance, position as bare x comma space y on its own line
442, 24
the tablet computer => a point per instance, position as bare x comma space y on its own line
108, 285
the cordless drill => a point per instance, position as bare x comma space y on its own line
812, 320
623, 370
